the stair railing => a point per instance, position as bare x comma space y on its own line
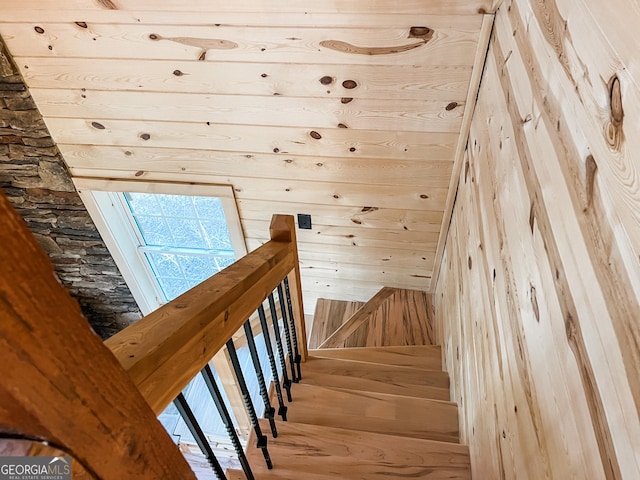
99, 402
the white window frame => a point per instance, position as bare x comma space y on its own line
104, 203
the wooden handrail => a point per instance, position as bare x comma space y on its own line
59, 383
163, 351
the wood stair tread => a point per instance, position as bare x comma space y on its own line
329, 452
318, 440
397, 380
316, 452
374, 412
297, 464
427, 357
327, 469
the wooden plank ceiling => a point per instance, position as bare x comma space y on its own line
348, 110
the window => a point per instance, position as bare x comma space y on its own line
184, 239
165, 237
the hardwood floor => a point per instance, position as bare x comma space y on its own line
391, 317
328, 317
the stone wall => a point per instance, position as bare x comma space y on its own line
34, 177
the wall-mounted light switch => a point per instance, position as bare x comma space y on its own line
304, 221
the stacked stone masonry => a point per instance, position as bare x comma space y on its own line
34, 177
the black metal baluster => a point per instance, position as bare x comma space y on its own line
282, 410
269, 411
293, 327
261, 438
286, 382
194, 427
287, 334
210, 381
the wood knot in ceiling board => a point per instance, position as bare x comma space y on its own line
423, 34
345, 100
570, 327
369, 209
349, 84
615, 100
82, 24
108, 4
534, 304
591, 168
532, 216
97, 125
451, 106
327, 80
178, 73
203, 44
613, 128
145, 136
39, 29
315, 135
342, 125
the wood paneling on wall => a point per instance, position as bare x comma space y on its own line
348, 110
538, 299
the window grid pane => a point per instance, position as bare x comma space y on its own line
186, 239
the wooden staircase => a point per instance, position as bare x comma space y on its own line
370, 412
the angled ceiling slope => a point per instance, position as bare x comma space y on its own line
348, 110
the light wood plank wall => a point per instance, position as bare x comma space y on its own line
348, 110
538, 298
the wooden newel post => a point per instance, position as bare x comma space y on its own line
59, 383
283, 229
